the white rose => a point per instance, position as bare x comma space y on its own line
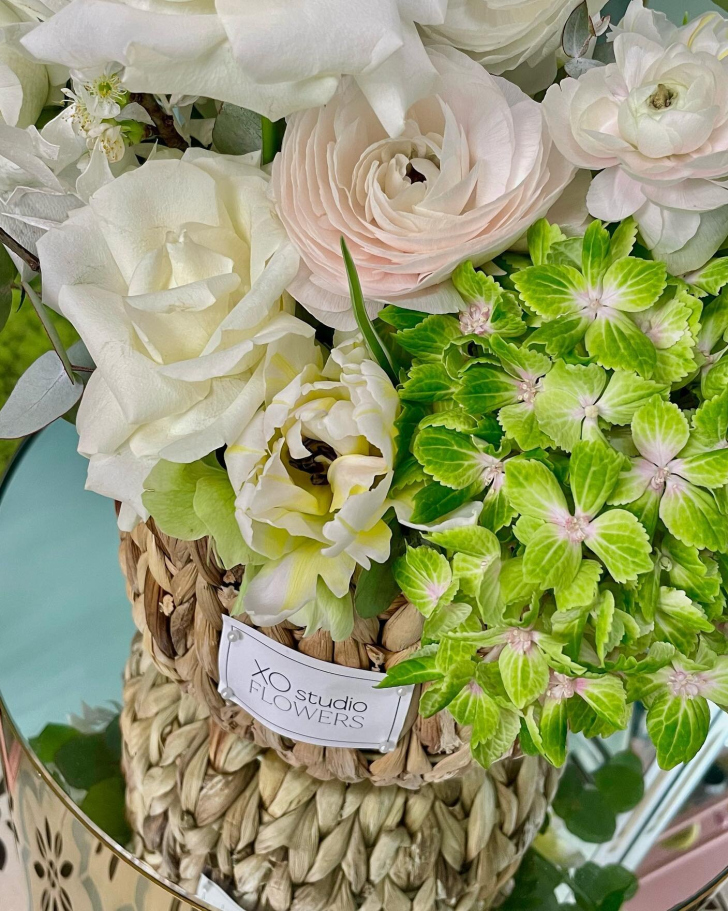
24, 83
271, 57
174, 277
313, 471
474, 168
515, 38
655, 124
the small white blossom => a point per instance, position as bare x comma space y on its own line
109, 137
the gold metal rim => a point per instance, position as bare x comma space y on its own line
125, 856
6, 720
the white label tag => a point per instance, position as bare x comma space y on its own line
214, 895
306, 699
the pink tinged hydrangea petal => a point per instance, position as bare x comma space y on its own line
660, 431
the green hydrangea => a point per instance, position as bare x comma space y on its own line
579, 404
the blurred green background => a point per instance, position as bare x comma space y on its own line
23, 339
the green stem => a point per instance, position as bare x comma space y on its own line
376, 347
50, 330
273, 131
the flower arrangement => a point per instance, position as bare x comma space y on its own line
429, 335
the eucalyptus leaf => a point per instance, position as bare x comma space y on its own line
237, 131
42, 394
578, 32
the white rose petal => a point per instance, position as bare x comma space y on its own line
174, 275
24, 83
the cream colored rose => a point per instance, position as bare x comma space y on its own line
474, 168
514, 38
312, 472
174, 277
24, 83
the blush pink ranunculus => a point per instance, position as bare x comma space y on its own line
474, 167
654, 124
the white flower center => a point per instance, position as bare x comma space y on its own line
406, 169
521, 640
108, 87
561, 687
476, 319
576, 527
527, 390
492, 470
659, 479
684, 684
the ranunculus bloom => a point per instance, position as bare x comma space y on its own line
312, 471
23, 82
174, 277
518, 38
270, 56
655, 124
474, 168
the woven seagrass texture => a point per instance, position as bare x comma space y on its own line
202, 800
179, 594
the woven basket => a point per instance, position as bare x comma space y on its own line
201, 800
179, 594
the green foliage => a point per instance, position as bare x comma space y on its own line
593, 888
190, 501
578, 406
589, 806
376, 348
90, 763
272, 132
237, 130
376, 587
8, 275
